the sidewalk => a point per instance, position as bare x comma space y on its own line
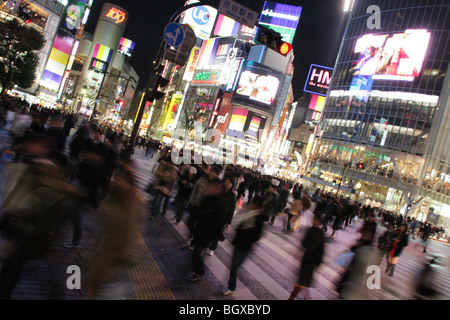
139, 277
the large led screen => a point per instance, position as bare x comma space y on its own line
397, 56
258, 84
281, 18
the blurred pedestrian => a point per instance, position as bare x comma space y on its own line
250, 225
228, 206
425, 286
313, 242
338, 219
386, 241
166, 176
185, 187
119, 214
208, 226
400, 242
367, 231
282, 201
425, 234
196, 198
33, 209
76, 147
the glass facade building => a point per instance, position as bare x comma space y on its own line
384, 132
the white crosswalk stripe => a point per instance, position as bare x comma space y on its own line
271, 269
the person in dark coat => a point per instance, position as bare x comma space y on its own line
254, 187
338, 219
282, 201
208, 227
314, 243
386, 241
228, 205
185, 187
367, 231
400, 242
249, 230
270, 201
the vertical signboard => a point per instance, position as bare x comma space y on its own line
191, 64
224, 113
63, 43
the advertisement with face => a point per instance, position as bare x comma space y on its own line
397, 56
258, 85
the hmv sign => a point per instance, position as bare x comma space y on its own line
319, 79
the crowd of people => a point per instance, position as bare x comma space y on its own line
93, 169
55, 179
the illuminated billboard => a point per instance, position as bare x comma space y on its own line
319, 79
191, 64
101, 58
246, 124
253, 125
226, 26
281, 18
258, 85
200, 19
316, 104
395, 56
214, 51
126, 46
63, 43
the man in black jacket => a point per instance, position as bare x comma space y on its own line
208, 227
250, 226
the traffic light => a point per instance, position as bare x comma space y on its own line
119, 102
273, 40
155, 82
27, 18
285, 48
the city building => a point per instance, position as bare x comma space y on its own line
101, 78
238, 88
45, 16
384, 130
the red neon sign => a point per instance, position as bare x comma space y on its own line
116, 14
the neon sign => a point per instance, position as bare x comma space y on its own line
116, 14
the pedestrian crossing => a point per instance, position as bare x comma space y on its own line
271, 269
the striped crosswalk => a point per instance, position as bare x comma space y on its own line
271, 269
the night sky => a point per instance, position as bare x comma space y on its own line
316, 41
